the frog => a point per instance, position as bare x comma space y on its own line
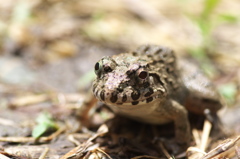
153, 86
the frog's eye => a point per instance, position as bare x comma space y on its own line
108, 69
108, 64
98, 68
143, 75
105, 65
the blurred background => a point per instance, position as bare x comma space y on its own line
53, 44
49, 47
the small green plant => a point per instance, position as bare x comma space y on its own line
229, 92
45, 124
207, 21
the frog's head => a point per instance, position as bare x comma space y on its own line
127, 79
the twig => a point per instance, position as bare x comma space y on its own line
165, 151
205, 135
44, 153
32, 139
3, 157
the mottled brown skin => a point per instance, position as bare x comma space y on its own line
149, 85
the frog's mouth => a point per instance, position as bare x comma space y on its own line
139, 102
135, 102
128, 98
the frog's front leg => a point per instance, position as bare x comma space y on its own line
176, 112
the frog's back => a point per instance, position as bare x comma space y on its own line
183, 80
202, 94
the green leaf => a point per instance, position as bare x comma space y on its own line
39, 130
209, 6
198, 53
228, 18
205, 27
44, 124
228, 91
